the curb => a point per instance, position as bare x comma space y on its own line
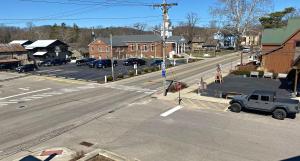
101, 152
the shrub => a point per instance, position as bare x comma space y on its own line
146, 70
131, 73
153, 69
139, 72
241, 72
120, 76
109, 78
169, 65
173, 87
77, 156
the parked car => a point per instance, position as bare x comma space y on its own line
132, 61
26, 68
104, 63
84, 61
45, 63
266, 101
92, 64
156, 62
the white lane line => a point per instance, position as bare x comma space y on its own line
3, 98
24, 89
169, 112
8, 102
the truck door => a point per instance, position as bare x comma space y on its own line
253, 101
266, 103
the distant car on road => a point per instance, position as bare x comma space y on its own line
266, 101
132, 61
26, 68
84, 61
156, 62
246, 50
105, 63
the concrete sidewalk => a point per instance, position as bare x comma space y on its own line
192, 99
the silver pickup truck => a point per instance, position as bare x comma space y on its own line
268, 102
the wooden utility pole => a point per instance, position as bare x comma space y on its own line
165, 8
112, 57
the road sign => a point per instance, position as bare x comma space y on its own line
163, 73
135, 66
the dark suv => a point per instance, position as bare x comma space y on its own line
84, 61
132, 61
26, 68
104, 63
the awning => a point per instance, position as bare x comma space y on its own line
40, 53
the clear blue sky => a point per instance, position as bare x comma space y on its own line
27, 9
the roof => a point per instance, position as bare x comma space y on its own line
41, 44
19, 42
6, 48
264, 92
9, 60
122, 40
278, 36
40, 53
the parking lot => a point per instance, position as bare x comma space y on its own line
84, 72
241, 85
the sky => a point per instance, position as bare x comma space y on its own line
74, 11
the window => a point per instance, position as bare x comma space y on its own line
145, 47
107, 49
297, 43
152, 47
132, 47
139, 47
265, 98
99, 49
92, 48
254, 97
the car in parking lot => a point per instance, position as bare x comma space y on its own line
156, 62
26, 68
105, 63
84, 61
53, 62
266, 101
132, 61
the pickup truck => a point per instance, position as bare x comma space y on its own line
266, 101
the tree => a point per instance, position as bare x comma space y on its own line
278, 19
240, 15
191, 22
140, 26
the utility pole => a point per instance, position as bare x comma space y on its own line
165, 8
112, 58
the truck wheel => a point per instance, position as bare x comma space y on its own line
235, 107
293, 116
279, 114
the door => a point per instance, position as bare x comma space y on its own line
266, 103
253, 101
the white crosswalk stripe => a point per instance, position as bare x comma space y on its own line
25, 97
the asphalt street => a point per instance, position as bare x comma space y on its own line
35, 109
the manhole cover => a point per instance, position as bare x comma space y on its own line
87, 144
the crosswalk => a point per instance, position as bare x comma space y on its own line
49, 92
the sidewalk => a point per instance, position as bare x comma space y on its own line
191, 99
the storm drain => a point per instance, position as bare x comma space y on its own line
87, 144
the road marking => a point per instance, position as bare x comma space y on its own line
24, 89
3, 98
169, 112
8, 102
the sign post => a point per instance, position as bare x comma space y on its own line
135, 68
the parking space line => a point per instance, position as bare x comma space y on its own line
3, 98
169, 112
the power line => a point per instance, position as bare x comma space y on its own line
91, 3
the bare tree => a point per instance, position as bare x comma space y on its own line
140, 26
191, 23
240, 15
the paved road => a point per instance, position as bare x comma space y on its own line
39, 109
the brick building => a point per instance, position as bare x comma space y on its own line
135, 46
281, 47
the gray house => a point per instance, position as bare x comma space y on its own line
42, 50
